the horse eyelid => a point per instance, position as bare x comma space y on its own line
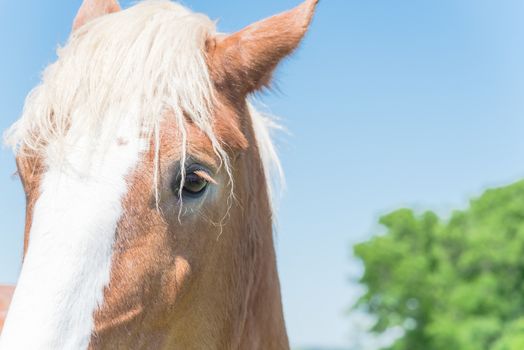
205, 175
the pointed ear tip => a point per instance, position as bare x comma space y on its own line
308, 7
311, 4
94, 8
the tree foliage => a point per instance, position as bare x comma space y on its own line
456, 284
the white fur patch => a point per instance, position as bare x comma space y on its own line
68, 262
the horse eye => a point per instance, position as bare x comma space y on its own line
194, 185
195, 182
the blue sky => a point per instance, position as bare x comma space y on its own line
388, 104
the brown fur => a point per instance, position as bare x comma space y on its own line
205, 280
243, 62
201, 288
30, 170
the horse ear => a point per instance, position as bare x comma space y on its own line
244, 61
92, 9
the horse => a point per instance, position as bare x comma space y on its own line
147, 173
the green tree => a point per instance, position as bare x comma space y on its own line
457, 284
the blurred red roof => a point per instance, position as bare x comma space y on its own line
6, 292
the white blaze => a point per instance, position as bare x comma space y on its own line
68, 261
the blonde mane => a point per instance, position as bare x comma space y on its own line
130, 65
